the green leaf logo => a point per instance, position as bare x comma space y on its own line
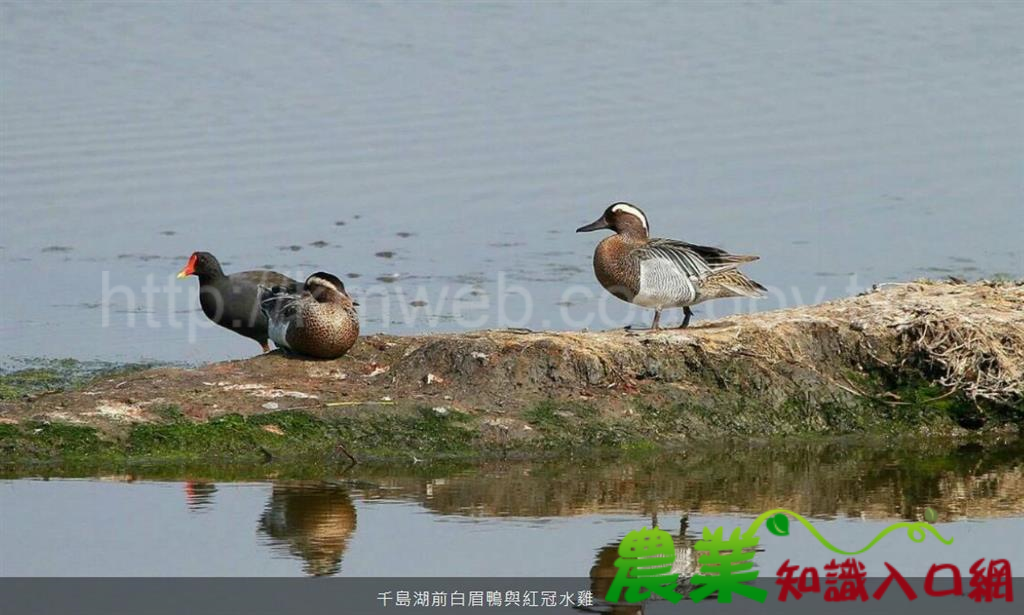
930, 515
779, 525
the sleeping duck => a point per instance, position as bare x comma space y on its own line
318, 321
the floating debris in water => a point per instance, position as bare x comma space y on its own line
404, 234
418, 303
293, 248
353, 275
385, 254
168, 233
339, 223
57, 249
320, 243
141, 257
388, 278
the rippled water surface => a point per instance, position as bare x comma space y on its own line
493, 519
420, 149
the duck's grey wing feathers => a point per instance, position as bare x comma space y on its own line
677, 254
715, 257
278, 302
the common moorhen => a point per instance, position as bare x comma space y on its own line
232, 301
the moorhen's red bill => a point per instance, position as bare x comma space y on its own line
232, 301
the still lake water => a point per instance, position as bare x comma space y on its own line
495, 519
430, 147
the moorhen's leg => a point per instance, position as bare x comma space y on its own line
657, 319
686, 318
266, 346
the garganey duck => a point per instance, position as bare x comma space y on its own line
318, 321
663, 273
232, 301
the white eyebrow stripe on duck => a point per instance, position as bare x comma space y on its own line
317, 280
633, 211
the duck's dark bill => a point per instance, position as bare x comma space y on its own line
596, 225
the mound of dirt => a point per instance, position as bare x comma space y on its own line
924, 356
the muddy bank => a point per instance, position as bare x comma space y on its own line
907, 358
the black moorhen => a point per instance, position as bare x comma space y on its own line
232, 301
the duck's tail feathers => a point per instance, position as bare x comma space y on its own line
740, 258
717, 256
738, 283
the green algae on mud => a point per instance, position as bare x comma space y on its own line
234, 437
877, 477
41, 376
439, 433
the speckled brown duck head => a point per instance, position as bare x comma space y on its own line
320, 321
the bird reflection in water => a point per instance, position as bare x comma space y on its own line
603, 571
312, 521
199, 495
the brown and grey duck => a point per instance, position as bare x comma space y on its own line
319, 321
663, 273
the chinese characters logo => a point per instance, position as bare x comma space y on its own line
726, 567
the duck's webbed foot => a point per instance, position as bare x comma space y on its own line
687, 312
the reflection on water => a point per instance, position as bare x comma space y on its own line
482, 519
312, 521
603, 571
824, 479
199, 495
